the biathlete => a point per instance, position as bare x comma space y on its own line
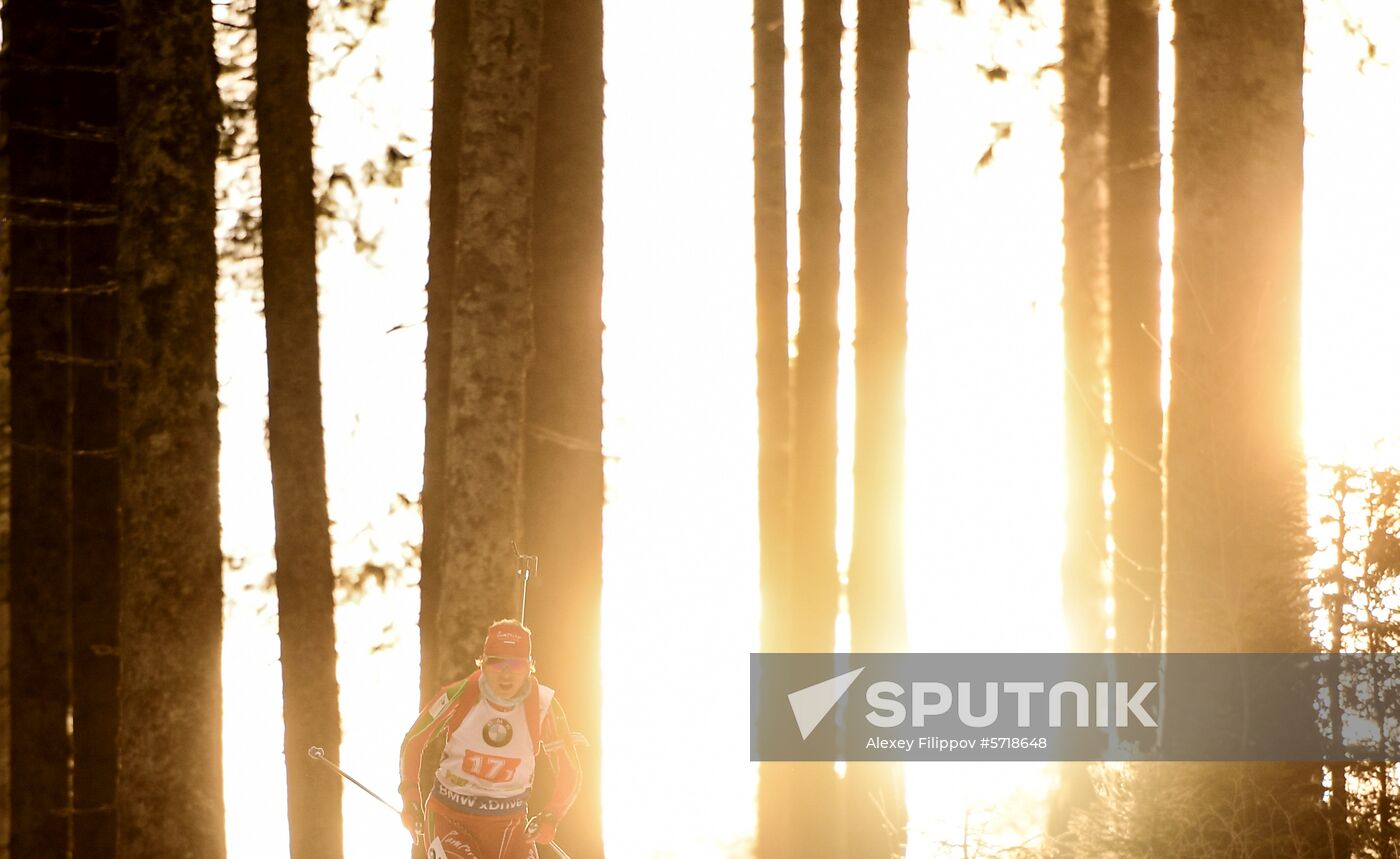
467, 765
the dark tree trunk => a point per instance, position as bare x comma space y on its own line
5, 456
1135, 363
491, 329
60, 98
564, 390
875, 792
1085, 327
1235, 511
814, 587
1236, 526
775, 780
449, 50
770, 298
40, 588
296, 439
1085, 315
170, 799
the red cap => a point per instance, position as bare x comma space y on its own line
507, 638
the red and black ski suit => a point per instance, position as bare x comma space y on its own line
466, 768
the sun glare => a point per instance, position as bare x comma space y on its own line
985, 427
1351, 274
680, 547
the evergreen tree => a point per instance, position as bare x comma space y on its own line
1135, 363
775, 779
491, 329
814, 587
449, 52
5, 460
60, 197
296, 438
170, 799
875, 792
1085, 308
1085, 323
563, 513
1236, 531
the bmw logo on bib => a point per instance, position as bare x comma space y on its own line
497, 733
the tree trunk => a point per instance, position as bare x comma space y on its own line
62, 146
564, 390
40, 588
170, 798
296, 438
1085, 320
1334, 603
875, 791
814, 588
1085, 328
775, 779
449, 48
1135, 363
6, 290
6, 439
491, 329
1236, 540
1236, 526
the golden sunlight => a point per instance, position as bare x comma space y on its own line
1351, 204
680, 546
985, 427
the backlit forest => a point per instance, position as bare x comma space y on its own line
783, 325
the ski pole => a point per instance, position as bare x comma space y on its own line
319, 754
533, 825
316, 753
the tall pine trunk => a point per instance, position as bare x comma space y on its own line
449, 50
6, 457
812, 601
564, 390
875, 791
40, 587
814, 588
62, 146
775, 779
1085, 330
1085, 320
296, 438
1236, 527
1236, 537
170, 799
491, 329
1135, 362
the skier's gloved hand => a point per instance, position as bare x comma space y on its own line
542, 826
410, 817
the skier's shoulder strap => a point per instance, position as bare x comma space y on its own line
467, 693
472, 694
532, 711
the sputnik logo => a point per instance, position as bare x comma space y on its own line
810, 705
